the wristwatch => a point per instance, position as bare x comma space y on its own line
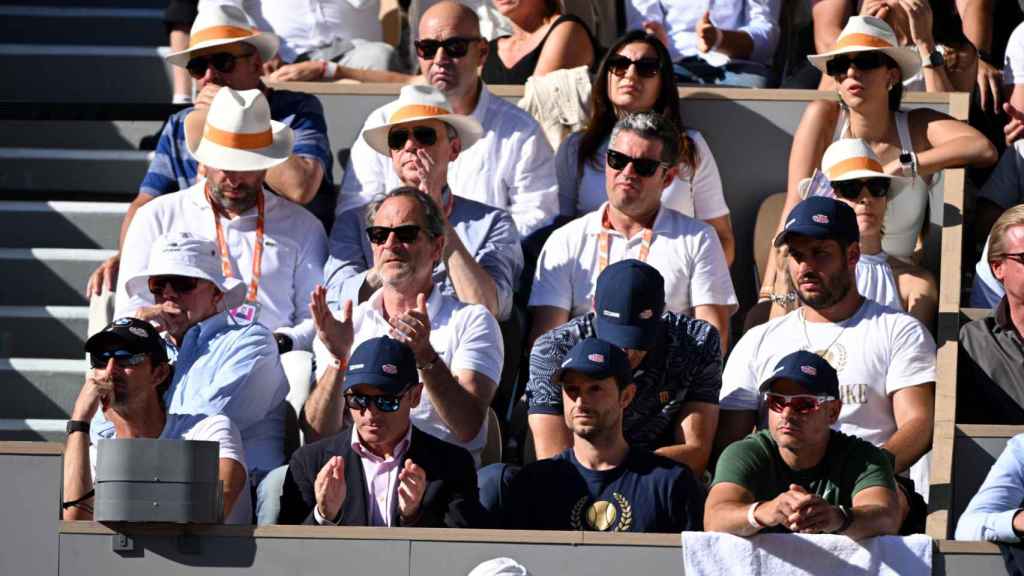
984, 56
76, 426
935, 59
284, 342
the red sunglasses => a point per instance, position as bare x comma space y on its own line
799, 403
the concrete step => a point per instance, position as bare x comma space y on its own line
32, 24
40, 387
61, 224
85, 135
50, 276
89, 73
43, 331
67, 170
22, 430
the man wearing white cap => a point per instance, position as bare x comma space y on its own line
273, 245
511, 167
482, 258
223, 365
225, 50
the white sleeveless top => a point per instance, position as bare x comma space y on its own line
875, 280
908, 198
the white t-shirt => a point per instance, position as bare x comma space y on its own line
220, 429
1013, 60
465, 337
685, 251
880, 351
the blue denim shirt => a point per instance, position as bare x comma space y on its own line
989, 515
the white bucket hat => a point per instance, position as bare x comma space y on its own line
218, 25
238, 133
184, 254
851, 159
418, 102
865, 34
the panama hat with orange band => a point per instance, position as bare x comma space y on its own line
422, 102
217, 25
238, 134
866, 34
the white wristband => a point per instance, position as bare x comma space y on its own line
751, 519
330, 70
718, 40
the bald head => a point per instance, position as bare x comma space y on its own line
449, 14
452, 69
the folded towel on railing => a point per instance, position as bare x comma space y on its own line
716, 553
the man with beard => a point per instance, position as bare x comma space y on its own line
601, 483
885, 359
273, 245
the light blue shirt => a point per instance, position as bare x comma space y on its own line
989, 515
223, 368
489, 234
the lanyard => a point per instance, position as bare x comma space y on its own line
604, 244
257, 256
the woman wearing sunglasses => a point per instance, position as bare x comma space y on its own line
636, 76
868, 67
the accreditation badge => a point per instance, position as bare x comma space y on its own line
245, 313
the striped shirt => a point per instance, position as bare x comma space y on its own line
685, 366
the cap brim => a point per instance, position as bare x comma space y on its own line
264, 42
232, 288
907, 59
106, 340
467, 127
239, 160
378, 381
638, 337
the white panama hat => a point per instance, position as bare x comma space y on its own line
238, 134
868, 34
422, 102
185, 254
217, 25
852, 159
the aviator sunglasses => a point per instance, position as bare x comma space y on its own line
454, 47
122, 358
405, 234
799, 403
425, 135
383, 402
181, 284
223, 62
647, 67
850, 189
644, 166
860, 60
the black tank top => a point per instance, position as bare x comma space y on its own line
495, 72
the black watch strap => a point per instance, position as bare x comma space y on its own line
284, 342
77, 426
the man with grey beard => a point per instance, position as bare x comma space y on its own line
885, 358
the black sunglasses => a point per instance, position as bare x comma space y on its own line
383, 402
860, 60
122, 358
454, 47
181, 284
223, 62
1017, 257
405, 234
644, 166
647, 67
425, 135
850, 189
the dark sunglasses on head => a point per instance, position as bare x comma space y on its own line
405, 234
647, 67
122, 358
454, 47
180, 284
425, 135
860, 60
850, 189
799, 403
223, 62
383, 402
644, 166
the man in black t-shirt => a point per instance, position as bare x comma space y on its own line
600, 483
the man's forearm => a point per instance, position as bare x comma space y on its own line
462, 411
910, 442
77, 476
323, 407
473, 285
730, 517
695, 457
977, 22
297, 179
873, 520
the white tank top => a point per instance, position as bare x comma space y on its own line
876, 281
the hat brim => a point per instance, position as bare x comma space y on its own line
908, 60
232, 288
264, 42
240, 160
378, 381
816, 232
858, 174
639, 337
468, 129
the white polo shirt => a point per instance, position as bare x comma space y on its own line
465, 337
685, 251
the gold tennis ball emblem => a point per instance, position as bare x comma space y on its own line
601, 515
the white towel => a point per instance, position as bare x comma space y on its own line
719, 554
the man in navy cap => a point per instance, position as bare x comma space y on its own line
675, 360
382, 471
885, 359
800, 475
601, 482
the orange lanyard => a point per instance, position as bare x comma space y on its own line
604, 244
257, 256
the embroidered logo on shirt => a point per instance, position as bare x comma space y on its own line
603, 515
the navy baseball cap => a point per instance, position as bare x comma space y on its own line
130, 334
598, 359
385, 364
628, 303
808, 370
821, 217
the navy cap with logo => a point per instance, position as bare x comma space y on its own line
628, 302
821, 217
598, 359
129, 334
808, 370
385, 364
